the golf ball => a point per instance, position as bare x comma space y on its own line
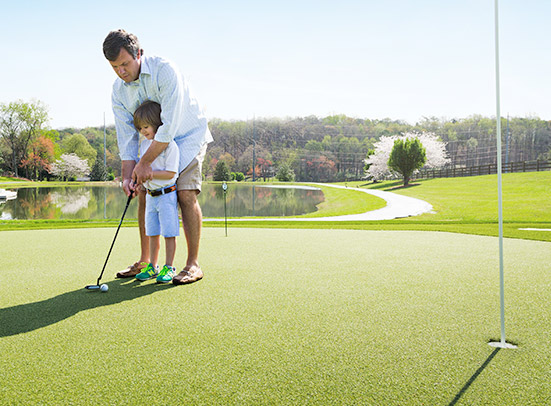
104, 288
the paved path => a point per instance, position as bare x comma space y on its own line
397, 206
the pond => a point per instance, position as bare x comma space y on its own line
107, 202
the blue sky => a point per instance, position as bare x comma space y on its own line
398, 59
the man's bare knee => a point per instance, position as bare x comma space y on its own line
187, 198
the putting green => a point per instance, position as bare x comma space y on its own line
282, 317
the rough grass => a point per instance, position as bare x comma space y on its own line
282, 317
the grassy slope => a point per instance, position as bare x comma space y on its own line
305, 317
526, 197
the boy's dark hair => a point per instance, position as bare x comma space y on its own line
148, 113
118, 39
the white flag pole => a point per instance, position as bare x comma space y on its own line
502, 343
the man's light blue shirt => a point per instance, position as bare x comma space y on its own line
182, 117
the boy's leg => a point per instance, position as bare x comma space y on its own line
154, 248
152, 269
170, 228
153, 229
170, 244
167, 273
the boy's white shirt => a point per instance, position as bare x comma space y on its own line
168, 160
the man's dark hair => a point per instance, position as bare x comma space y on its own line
116, 40
149, 113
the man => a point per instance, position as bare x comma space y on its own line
143, 78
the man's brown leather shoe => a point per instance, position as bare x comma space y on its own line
190, 275
132, 270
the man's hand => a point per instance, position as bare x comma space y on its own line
142, 172
129, 187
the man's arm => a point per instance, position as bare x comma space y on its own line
142, 171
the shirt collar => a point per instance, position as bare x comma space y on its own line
145, 69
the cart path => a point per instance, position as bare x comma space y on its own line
397, 206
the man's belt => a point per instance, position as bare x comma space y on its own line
162, 191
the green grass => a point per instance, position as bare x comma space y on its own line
526, 197
14, 183
6, 179
341, 201
311, 317
462, 205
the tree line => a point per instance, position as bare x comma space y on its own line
335, 148
332, 148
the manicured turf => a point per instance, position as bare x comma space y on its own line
282, 317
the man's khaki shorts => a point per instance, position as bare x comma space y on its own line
191, 177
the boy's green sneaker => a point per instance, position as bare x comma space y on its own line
149, 272
166, 274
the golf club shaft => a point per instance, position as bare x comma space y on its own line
115, 238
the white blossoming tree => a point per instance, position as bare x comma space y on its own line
377, 163
69, 166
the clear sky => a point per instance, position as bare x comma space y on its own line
398, 59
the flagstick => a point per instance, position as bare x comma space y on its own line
502, 343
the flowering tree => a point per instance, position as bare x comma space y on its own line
435, 152
69, 166
39, 158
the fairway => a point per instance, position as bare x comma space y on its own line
283, 316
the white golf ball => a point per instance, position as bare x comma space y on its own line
104, 288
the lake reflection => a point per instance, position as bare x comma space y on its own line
108, 202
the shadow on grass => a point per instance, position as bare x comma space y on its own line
390, 186
384, 185
32, 316
473, 378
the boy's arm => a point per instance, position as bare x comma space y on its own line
163, 174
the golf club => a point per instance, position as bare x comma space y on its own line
97, 286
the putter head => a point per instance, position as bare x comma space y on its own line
92, 287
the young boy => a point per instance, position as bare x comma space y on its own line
161, 215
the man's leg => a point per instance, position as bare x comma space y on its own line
189, 186
144, 239
192, 218
136, 268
